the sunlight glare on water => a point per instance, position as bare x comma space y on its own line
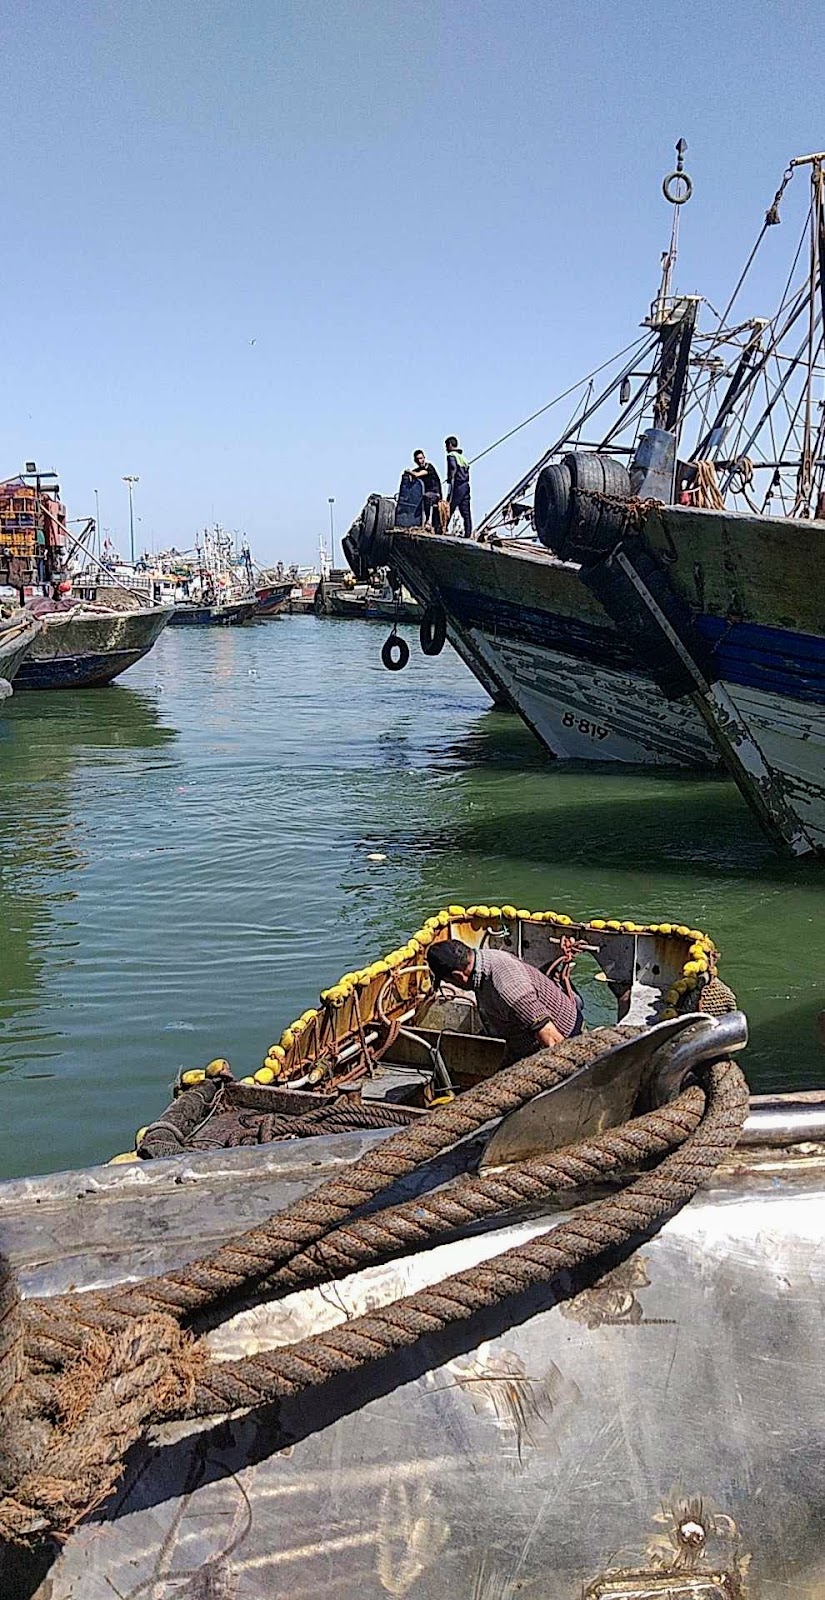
187, 857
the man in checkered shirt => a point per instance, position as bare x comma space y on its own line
515, 1001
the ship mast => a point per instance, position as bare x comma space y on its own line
673, 318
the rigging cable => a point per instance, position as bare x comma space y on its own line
559, 397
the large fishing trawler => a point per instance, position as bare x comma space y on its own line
72, 642
644, 592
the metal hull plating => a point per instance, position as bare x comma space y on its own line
686, 1391
88, 649
524, 621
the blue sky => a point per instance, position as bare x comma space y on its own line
258, 250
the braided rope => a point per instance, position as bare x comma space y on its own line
609, 1223
56, 1328
127, 1362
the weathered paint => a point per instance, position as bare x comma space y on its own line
522, 619
84, 651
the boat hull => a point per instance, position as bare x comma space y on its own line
88, 650
16, 639
271, 599
524, 622
738, 616
591, 1431
231, 615
370, 608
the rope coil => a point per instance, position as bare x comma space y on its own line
99, 1368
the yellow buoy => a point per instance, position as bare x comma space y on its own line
140, 1136
287, 1038
457, 911
197, 1075
247, 1081
214, 1069
598, 922
118, 1161
264, 1075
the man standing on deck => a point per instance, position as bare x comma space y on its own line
458, 481
515, 1001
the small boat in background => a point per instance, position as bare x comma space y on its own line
367, 602
212, 613
272, 596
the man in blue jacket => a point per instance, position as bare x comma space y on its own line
458, 480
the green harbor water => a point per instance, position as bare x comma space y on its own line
188, 857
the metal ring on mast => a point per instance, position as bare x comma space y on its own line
669, 192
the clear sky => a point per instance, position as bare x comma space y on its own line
256, 251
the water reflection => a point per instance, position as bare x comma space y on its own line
45, 739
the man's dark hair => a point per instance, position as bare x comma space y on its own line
451, 443
447, 957
419, 453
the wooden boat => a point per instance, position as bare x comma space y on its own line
615, 1419
17, 635
370, 1041
370, 603
212, 614
82, 645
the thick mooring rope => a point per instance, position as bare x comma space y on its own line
124, 1361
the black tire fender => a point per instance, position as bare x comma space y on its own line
395, 653
552, 502
433, 630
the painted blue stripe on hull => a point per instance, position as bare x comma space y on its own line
775, 660
586, 641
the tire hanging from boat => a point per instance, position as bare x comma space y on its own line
432, 631
395, 653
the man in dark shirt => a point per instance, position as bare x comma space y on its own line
431, 484
515, 1001
458, 480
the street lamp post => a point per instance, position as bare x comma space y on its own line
331, 531
130, 480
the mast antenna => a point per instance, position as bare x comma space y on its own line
677, 188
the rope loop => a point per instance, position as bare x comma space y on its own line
99, 1368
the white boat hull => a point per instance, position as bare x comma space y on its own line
581, 712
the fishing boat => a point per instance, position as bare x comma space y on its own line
643, 591
17, 634
583, 1291
272, 596
81, 645
212, 613
73, 642
381, 1044
366, 602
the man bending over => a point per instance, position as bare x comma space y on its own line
515, 1001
